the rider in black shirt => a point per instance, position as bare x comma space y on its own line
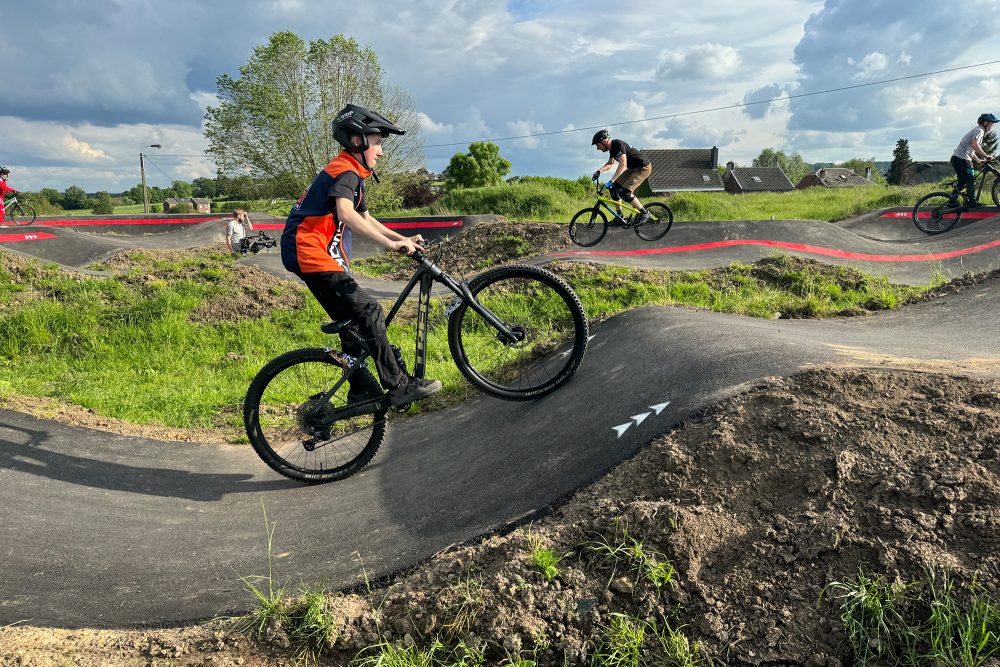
632, 170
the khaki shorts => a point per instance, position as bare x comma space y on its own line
633, 178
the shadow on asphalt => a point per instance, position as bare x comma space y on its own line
22, 450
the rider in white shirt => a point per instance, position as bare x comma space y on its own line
968, 153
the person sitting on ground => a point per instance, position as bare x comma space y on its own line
315, 246
632, 170
970, 152
4, 190
236, 231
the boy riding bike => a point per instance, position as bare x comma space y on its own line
4, 190
968, 153
632, 170
316, 246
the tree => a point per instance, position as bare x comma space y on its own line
481, 166
74, 197
990, 142
900, 161
861, 165
793, 165
203, 187
182, 189
52, 195
276, 117
103, 204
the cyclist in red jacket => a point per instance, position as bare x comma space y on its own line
4, 190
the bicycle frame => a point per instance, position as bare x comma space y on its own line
426, 275
987, 168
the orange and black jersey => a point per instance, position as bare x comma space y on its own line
315, 240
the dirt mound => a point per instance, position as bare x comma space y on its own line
485, 245
728, 529
246, 292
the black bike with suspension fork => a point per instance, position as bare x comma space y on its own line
938, 212
516, 332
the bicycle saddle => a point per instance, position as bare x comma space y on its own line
335, 327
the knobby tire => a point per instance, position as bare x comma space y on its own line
659, 225
935, 213
588, 227
540, 305
276, 416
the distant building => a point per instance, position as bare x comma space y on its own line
738, 180
832, 177
684, 170
197, 204
927, 172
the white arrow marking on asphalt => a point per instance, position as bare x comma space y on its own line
641, 418
659, 407
621, 429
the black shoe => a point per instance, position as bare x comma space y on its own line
643, 218
414, 389
360, 395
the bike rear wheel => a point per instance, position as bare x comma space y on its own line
21, 214
658, 225
551, 327
281, 421
937, 212
588, 227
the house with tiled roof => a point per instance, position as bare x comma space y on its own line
832, 177
738, 180
684, 170
927, 172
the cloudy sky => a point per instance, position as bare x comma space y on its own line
88, 85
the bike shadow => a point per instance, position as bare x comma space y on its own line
24, 449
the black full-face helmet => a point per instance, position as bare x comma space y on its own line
988, 118
354, 120
4, 171
599, 137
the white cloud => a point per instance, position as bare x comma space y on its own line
872, 65
704, 61
526, 127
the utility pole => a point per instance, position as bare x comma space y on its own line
142, 174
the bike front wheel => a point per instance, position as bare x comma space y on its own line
588, 227
661, 218
937, 212
550, 333
996, 191
296, 436
21, 214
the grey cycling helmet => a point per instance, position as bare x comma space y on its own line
355, 120
600, 136
988, 118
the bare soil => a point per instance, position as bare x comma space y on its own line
757, 505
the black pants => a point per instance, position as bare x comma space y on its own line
342, 297
966, 177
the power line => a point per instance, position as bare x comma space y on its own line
157, 167
722, 108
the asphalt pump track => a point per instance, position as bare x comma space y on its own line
106, 530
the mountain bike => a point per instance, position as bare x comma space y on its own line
589, 226
18, 213
938, 212
516, 332
251, 245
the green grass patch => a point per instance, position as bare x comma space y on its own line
557, 200
780, 285
924, 623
